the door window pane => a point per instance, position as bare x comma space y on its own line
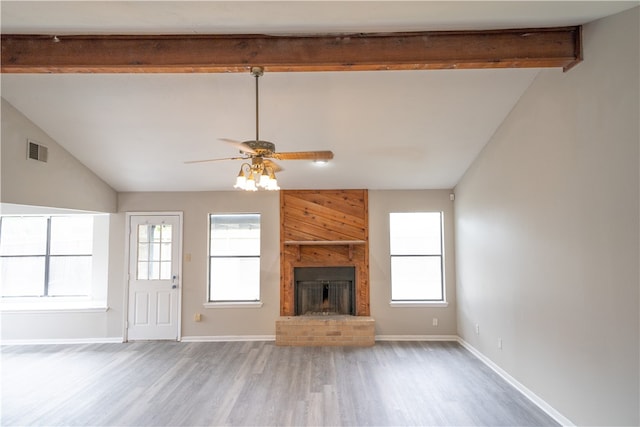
165, 252
165, 270
154, 251
143, 233
165, 233
143, 272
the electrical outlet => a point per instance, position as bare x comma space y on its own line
197, 317
435, 321
477, 329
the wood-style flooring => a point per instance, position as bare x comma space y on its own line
257, 384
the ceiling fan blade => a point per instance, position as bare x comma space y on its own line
243, 147
304, 155
273, 165
216, 160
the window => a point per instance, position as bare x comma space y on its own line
46, 256
154, 252
234, 257
416, 256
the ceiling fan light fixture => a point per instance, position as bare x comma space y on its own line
264, 179
250, 185
241, 180
272, 182
256, 176
268, 180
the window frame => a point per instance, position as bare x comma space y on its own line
407, 302
232, 303
47, 256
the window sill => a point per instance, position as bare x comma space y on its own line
413, 304
233, 304
41, 307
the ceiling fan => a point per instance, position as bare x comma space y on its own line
260, 152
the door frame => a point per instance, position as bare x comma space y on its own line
127, 267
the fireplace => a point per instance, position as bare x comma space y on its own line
324, 269
324, 291
324, 229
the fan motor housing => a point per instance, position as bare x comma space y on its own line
261, 147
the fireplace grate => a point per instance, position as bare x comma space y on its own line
324, 291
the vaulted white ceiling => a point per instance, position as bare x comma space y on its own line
387, 129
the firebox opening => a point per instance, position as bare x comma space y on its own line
324, 291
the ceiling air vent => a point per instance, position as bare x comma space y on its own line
37, 151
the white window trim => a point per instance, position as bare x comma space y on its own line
418, 304
95, 303
234, 304
422, 303
53, 305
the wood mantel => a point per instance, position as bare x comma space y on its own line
324, 242
348, 243
324, 228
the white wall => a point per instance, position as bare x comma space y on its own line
218, 322
417, 321
225, 322
62, 182
547, 232
196, 206
30, 186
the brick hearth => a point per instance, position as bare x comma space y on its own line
325, 330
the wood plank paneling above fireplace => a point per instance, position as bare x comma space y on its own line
338, 220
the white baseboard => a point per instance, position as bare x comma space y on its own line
416, 338
111, 340
222, 338
539, 402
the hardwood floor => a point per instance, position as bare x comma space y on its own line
256, 383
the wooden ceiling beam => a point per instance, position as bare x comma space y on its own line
517, 48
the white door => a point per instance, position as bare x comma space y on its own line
154, 285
